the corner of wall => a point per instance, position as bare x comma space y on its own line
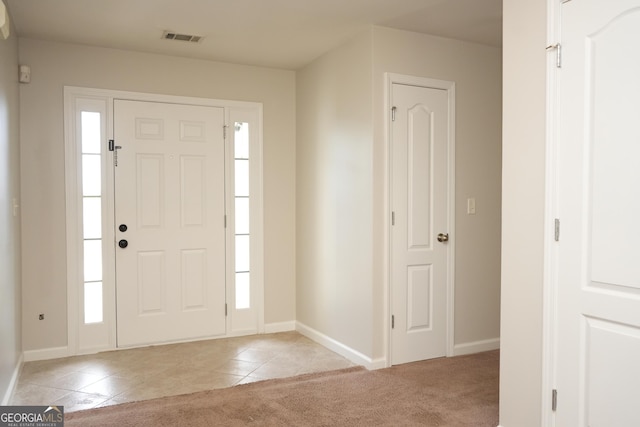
340, 348
10, 229
523, 212
13, 382
334, 195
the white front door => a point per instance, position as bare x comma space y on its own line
169, 211
598, 286
420, 136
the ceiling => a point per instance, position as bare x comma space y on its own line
273, 33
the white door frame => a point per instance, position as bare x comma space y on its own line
550, 256
105, 339
390, 80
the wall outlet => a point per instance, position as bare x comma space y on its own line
41, 316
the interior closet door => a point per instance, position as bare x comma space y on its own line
419, 236
598, 289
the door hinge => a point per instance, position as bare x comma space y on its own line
554, 399
558, 49
393, 114
393, 321
556, 231
393, 218
224, 132
225, 221
225, 309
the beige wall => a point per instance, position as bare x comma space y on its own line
523, 191
334, 195
339, 286
341, 184
10, 338
55, 65
476, 71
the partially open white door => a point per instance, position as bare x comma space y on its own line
170, 236
420, 137
598, 295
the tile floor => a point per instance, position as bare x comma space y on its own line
83, 382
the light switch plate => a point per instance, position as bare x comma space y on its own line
471, 206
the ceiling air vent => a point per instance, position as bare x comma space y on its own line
168, 35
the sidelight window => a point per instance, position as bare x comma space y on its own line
92, 197
242, 203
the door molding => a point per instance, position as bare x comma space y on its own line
389, 80
77, 331
550, 253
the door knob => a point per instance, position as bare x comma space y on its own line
123, 227
443, 237
123, 243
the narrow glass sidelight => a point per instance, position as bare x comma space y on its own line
242, 209
90, 133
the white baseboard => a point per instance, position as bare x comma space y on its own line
13, 383
272, 328
45, 354
58, 352
476, 347
340, 348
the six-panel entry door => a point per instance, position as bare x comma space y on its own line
169, 212
419, 187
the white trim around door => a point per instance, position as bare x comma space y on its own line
97, 332
449, 87
549, 285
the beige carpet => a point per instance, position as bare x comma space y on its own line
458, 391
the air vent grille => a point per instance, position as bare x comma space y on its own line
168, 35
